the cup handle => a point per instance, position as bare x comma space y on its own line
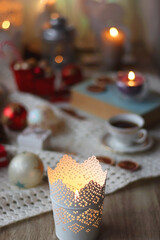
141, 136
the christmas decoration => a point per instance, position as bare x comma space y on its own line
58, 41
36, 138
3, 157
14, 116
71, 74
34, 77
26, 170
42, 117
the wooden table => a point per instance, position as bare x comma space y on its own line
132, 213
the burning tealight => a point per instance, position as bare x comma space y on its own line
113, 40
130, 84
77, 194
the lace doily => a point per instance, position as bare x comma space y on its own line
84, 139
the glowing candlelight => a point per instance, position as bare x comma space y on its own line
113, 32
113, 35
131, 78
76, 196
130, 83
75, 213
113, 41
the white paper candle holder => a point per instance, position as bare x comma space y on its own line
77, 193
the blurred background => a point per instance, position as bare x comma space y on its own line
139, 18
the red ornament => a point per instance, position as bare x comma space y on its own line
3, 157
71, 74
14, 116
38, 72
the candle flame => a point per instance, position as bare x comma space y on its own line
131, 76
6, 24
76, 196
59, 59
113, 32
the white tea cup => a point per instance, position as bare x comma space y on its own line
126, 129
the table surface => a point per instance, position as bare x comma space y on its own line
132, 213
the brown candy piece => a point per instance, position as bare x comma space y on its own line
73, 113
103, 81
106, 160
96, 88
129, 165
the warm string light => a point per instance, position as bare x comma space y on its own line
131, 78
113, 32
59, 59
5, 24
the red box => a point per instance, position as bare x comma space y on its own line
3, 157
27, 82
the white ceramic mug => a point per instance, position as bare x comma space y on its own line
127, 135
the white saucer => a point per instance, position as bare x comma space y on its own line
112, 145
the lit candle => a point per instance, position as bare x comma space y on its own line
77, 194
113, 41
130, 83
114, 35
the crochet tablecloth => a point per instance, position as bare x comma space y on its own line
83, 138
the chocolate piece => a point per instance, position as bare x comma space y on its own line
72, 113
96, 88
106, 160
129, 165
103, 81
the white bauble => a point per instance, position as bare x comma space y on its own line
25, 170
42, 117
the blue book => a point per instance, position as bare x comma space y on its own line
110, 102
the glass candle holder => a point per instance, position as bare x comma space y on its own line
132, 85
